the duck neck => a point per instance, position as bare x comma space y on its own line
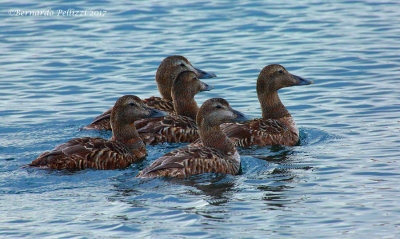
271, 106
128, 135
213, 137
164, 78
184, 104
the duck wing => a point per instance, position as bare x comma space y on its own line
101, 122
160, 104
171, 128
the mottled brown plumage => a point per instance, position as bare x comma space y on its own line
160, 104
124, 148
214, 153
276, 125
170, 128
168, 70
181, 126
263, 132
102, 122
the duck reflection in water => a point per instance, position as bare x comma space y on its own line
215, 189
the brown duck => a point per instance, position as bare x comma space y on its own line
276, 127
213, 153
124, 148
168, 70
179, 127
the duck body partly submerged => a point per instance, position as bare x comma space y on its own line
191, 160
263, 132
277, 126
87, 152
124, 148
213, 153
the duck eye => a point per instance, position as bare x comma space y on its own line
132, 104
280, 71
183, 65
218, 107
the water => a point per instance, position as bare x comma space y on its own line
58, 72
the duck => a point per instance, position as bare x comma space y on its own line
214, 152
179, 127
124, 148
166, 73
277, 126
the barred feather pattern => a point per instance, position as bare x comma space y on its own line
96, 153
160, 104
193, 159
102, 122
172, 129
262, 132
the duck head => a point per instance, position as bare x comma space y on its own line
184, 88
170, 68
130, 108
274, 77
188, 83
270, 80
217, 111
211, 115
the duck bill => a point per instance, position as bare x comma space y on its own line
154, 113
240, 117
301, 81
203, 74
205, 87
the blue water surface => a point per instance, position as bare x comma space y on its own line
60, 71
